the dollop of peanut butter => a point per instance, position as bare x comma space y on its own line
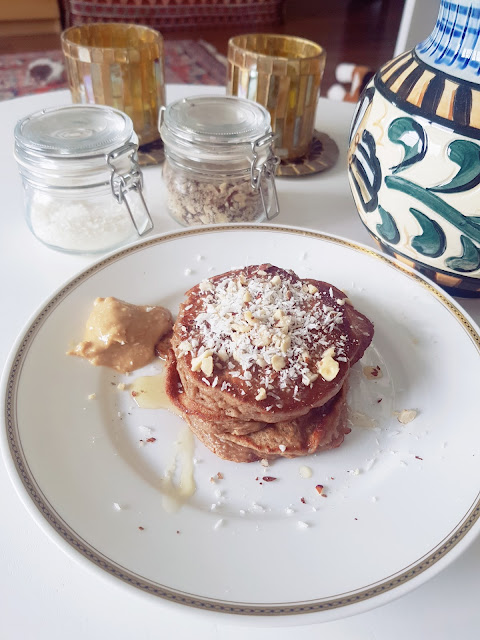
121, 335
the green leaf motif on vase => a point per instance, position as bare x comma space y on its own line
432, 241
469, 260
468, 225
410, 134
387, 229
466, 155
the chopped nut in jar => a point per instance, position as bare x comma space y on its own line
197, 202
219, 160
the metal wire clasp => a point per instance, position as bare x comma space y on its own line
264, 166
128, 185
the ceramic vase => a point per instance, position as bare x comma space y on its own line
414, 156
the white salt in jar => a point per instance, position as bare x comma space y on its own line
81, 179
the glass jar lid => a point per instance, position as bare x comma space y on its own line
216, 119
73, 131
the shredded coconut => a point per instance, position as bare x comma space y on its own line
272, 334
80, 224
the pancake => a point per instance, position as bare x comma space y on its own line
321, 429
218, 423
259, 363
250, 344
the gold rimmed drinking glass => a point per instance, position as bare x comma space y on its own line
120, 65
282, 73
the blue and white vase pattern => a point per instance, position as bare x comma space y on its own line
414, 157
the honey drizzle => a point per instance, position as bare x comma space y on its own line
149, 393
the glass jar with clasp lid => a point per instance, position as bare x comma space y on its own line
219, 161
82, 183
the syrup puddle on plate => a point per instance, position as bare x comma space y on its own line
177, 493
149, 393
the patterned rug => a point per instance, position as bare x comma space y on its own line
186, 62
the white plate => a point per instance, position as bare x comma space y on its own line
402, 500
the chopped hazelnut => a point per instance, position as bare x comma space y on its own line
328, 368
240, 328
284, 322
278, 362
372, 373
196, 363
223, 355
206, 285
286, 342
406, 415
263, 339
277, 341
207, 366
185, 347
249, 318
261, 395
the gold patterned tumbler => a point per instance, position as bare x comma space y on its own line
120, 65
282, 73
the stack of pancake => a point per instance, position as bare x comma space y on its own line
259, 363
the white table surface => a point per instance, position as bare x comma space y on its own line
44, 593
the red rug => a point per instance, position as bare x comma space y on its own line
186, 62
